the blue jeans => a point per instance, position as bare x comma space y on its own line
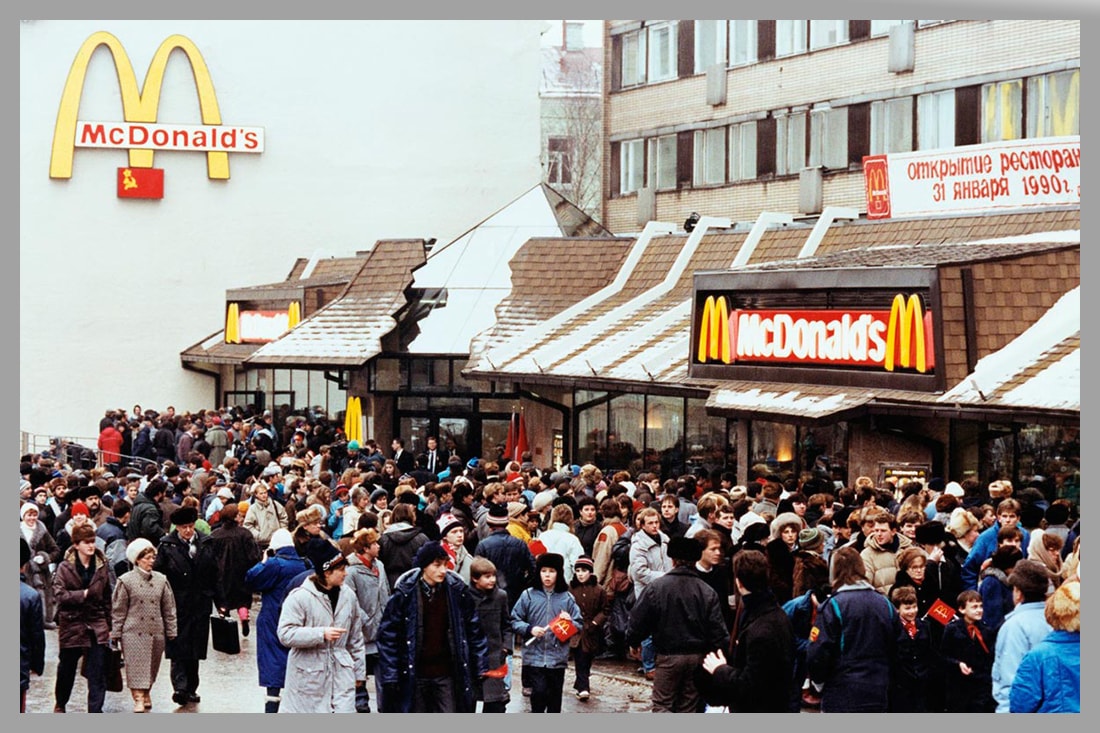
649, 655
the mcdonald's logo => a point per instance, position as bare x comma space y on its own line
877, 182
909, 336
139, 133
714, 331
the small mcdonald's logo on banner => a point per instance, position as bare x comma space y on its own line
941, 612
140, 183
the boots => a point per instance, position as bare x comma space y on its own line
146, 700
139, 700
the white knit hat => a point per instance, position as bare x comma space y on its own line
27, 507
135, 548
281, 538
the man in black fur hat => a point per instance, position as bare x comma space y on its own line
682, 614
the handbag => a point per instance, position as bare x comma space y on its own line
224, 633
114, 666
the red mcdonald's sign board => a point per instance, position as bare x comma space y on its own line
876, 177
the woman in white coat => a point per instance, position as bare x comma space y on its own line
320, 624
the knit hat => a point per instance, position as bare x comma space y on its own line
750, 518
323, 555
931, 533
684, 549
515, 509
936, 484
811, 539
378, 494
281, 538
428, 553
272, 469
585, 561
1030, 577
184, 515
353, 445
136, 548
446, 523
242, 507
543, 499
29, 506
954, 489
79, 507
82, 533
498, 515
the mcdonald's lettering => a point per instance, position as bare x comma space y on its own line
139, 132
714, 335
899, 338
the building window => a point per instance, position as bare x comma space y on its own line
662, 163
892, 126
829, 137
742, 147
790, 148
742, 42
559, 152
1054, 104
710, 44
936, 120
633, 60
574, 35
710, 156
882, 27
631, 166
826, 33
790, 37
1002, 110
662, 52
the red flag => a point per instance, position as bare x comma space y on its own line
521, 439
563, 628
141, 183
536, 547
941, 612
510, 445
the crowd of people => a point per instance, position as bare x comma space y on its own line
406, 583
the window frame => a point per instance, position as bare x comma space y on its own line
790, 137
658, 165
744, 155
631, 165
841, 28
788, 30
993, 120
721, 31
752, 53
885, 115
561, 159
638, 40
1039, 107
705, 164
932, 104
652, 57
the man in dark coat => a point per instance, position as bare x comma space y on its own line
431, 647
681, 614
179, 555
514, 561
757, 676
230, 551
145, 518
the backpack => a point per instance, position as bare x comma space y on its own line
620, 552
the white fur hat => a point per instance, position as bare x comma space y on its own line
135, 548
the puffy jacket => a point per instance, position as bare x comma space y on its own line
560, 540
981, 551
320, 675
399, 638
77, 613
398, 546
145, 520
262, 520
1021, 632
851, 645
273, 579
536, 607
1048, 679
110, 444
881, 563
996, 597
514, 561
648, 560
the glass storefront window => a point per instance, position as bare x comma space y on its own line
823, 451
494, 438
707, 443
1048, 452
664, 444
626, 436
457, 429
591, 434
415, 432
492, 404
773, 449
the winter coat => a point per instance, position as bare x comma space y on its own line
514, 562
996, 597
372, 590
32, 635
648, 560
601, 550
780, 569
143, 445
77, 613
1021, 632
536, 607
272, 578
110, 444
164, 444
113, 535
320, 675
916, 662
968, 693
560, 540
192, 589
231, 550
760, 661
881, 562
44, 551
262, 520
982, 550
496, 623
400, 634
851, 646
218, 439
1048, 679
595, 605
399, 544
587, 534
681, 613
145, 519
143, 616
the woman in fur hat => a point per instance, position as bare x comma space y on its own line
143, 617
544, 655
320, 624
780, 553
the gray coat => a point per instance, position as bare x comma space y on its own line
648, 560
372, 591
321, 675
143, 617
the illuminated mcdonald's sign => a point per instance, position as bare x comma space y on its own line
140, 133
890, 340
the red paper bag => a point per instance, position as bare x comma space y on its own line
563, 628
499, 673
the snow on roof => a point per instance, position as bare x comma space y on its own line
774, 400
1057, 385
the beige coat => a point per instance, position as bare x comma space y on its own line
143, 616
262, 521
881, 564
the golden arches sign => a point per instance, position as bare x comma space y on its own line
714, 331
137, 106
906, 317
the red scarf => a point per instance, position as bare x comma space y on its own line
976, 634
911, 627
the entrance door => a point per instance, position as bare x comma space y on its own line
458, 430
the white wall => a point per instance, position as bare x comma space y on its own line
373, 129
